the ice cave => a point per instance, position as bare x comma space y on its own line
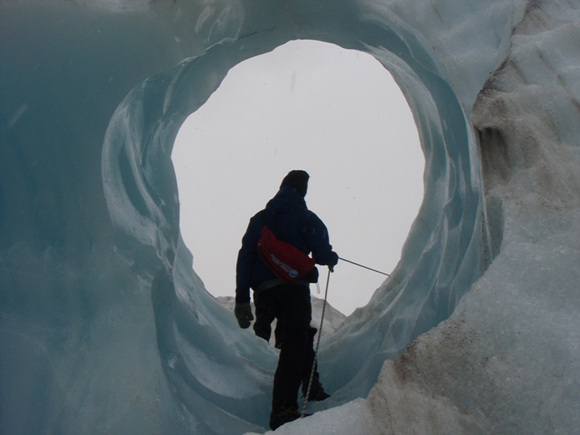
106, 328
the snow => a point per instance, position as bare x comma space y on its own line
104, 326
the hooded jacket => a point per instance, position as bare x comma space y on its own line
289, 218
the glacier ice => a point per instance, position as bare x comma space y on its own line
104, 326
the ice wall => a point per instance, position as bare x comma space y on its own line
104, 327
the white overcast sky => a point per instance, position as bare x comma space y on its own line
308, 105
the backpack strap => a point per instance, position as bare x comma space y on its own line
274, 227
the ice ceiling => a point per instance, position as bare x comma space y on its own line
104, 326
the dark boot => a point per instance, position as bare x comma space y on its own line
317, 393
285, 415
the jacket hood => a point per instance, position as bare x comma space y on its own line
286, 200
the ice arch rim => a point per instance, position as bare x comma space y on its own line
446, 250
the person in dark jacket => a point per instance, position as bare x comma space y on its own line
288, 302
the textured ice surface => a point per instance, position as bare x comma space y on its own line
104, 327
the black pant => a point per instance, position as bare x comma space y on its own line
263, 323
290, 304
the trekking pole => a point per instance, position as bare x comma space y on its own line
313, 369
364, 267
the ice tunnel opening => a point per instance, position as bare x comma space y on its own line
442, 256
336, 113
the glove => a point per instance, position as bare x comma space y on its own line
243, 312
312, 276
333, 262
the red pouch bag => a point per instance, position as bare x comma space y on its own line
286, 261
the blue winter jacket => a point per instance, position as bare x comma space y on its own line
289, 218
